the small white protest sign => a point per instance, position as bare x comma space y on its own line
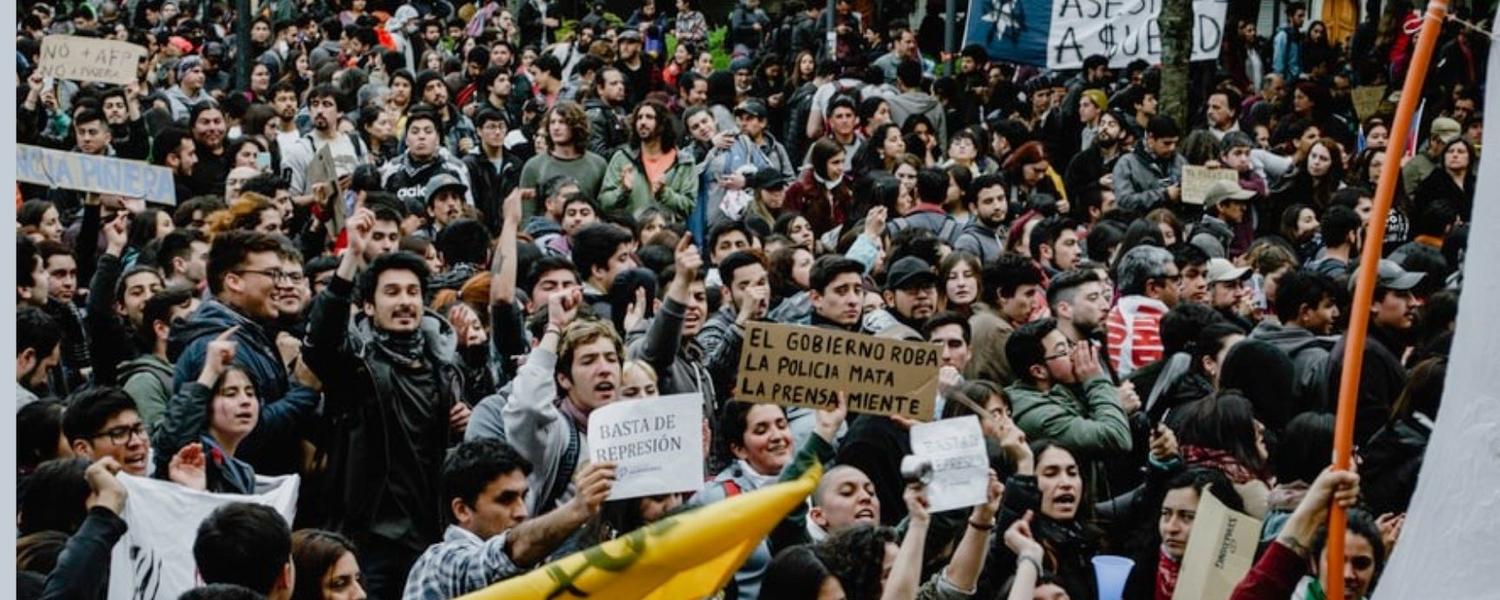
656, 444
960, 464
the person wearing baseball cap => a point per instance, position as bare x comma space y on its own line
1228, 203
910, 294
444, 196
769, 186
754, 146
1393, 311
1442, 132
1227, 290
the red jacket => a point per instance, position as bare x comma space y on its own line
1274, 576
823, 208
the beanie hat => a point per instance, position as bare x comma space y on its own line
186, 63
1098, 98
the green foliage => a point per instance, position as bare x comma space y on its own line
715, 47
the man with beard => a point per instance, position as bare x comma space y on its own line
670, 343
984, 235
244, 268
1096, 164
183, 257
607, 114
460, 133
650, 172
38, 351
641, 76
174, 149
348, 150
445, 198
122, 111
910, 293
1077, 298
214, 160
392, 384
284, 101
1055, 244
1307, 307
407, 175
1382, 377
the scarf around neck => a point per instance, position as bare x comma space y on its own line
1166, 576
407, 350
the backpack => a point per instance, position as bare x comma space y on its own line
795, 137
564, 474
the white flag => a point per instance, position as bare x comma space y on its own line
154, 559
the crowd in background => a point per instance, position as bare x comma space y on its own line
418, 243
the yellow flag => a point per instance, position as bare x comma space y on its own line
690, 555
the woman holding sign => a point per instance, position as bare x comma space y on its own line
759, 439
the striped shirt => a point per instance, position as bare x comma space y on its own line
1134, 327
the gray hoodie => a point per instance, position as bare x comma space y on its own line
1309, 355
918, 102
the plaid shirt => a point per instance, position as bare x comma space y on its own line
460, 564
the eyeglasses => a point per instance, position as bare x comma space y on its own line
275, 274
122, 434
1174, 278
1069, 350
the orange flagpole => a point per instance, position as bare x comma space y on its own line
1364, 292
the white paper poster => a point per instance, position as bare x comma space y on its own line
960, 464
154, 559
656, 443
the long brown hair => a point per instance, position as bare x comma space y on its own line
578, 123
314, 553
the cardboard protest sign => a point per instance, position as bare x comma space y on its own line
154, 559
98, 174
1059, 34
324, 169
1367, 100
1219, 552
89, 59
808, 366
960, 464
656, 443
1196, 181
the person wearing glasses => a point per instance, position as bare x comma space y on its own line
103, 422
1061, 393
244, 270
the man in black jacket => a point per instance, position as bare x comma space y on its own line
607, 114
492, 172
393, 391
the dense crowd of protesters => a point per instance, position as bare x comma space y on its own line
423, 241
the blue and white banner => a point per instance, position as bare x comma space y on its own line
1060, 34
97, 174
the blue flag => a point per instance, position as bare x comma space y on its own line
1010, 30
